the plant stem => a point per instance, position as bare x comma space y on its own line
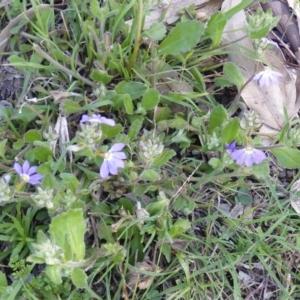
138, 35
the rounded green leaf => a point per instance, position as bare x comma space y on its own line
128, 104
230, 131
288, 157
234, 75
79, 278
150, 99
149, 175
32, 136
70, 224
217, 118
182, 38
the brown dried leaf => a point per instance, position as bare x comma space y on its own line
268, 102
136, 278
295, 200
58, 96
168, 8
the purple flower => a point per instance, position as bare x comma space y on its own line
97, 119
231, 147
113, 160
248, 156
266, 77
27, 173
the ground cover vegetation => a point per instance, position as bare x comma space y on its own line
131, 167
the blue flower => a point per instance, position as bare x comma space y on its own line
113, 159
27, 173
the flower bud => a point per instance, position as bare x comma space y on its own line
5, 190
260, 23
43, 198
149, 150
250, 120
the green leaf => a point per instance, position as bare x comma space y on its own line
3, 148
217, 118
32, 136
164, 157
234, 75
166, 251
244, 196
150, 99
70, 224
79, 278
214, 28
49, 181
243, 4
162, 113
157, 208
222, 82
149, 175
3, 280
230, 131
111, 131
216, 163
288, 157
178, 123
179, 227
156, 32
101, 76
54, 273
69, 179
20, 25
27, 115
261, 171
139, 190
19, 144
134, 89
182, 38
128, 104
41, 153
70, 107
135, 129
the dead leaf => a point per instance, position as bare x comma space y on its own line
295, 199
142, 281
207, 10
295, 6
168, 8
58, 96
61, 128
244, 277
268, 102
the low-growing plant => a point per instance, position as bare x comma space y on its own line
122, 174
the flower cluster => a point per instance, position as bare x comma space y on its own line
245, 156
91, 137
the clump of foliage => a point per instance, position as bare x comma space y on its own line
120, 168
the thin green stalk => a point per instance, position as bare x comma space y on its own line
137, 42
